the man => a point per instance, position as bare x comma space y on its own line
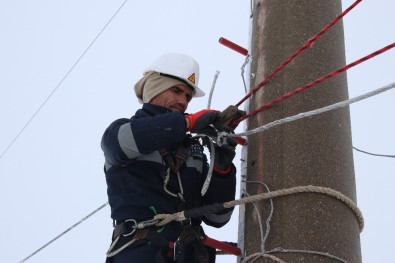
153, 165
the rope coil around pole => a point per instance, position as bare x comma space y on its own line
164, 219
302, 189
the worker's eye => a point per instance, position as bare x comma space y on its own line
176, 90
179, 91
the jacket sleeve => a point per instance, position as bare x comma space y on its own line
222, 189
127, 139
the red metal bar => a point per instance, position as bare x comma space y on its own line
233, 46
221, 246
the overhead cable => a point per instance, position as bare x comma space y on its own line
265, 127
61, 81
374, 154
64, 232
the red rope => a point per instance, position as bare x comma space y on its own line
298, 52
315, 82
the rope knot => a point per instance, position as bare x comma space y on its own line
164, 219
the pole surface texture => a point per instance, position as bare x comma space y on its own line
312, 151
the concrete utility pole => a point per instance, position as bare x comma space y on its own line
313, 151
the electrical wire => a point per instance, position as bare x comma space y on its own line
331, 107
60, 82
54, 90
374, 154
64, 232
265, 127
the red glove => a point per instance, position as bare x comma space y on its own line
202, 119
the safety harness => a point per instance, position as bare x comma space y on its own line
174, 164
130, 233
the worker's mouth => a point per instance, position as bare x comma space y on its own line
178, 109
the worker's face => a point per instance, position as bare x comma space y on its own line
176, 98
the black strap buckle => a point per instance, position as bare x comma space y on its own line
186, 223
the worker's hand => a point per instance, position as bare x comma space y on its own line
198, 121
223, 158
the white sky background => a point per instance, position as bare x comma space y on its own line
52, 175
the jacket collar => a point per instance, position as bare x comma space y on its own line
152, 109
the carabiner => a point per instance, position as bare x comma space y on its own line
134, 227
222, 138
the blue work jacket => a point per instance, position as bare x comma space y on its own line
135, 170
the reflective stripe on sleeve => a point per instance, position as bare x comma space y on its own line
127, 142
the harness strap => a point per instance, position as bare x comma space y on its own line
139, 237
165, 247
193, 236
167, 158
174, 163
180, 156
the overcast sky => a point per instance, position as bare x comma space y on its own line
52, 176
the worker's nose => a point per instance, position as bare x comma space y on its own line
183, 101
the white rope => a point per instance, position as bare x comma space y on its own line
265, 127
316, 112
253, 257
263, 253
212, 89
206, 183
265, 236
324, 254
243, 70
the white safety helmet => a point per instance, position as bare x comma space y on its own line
180, 66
